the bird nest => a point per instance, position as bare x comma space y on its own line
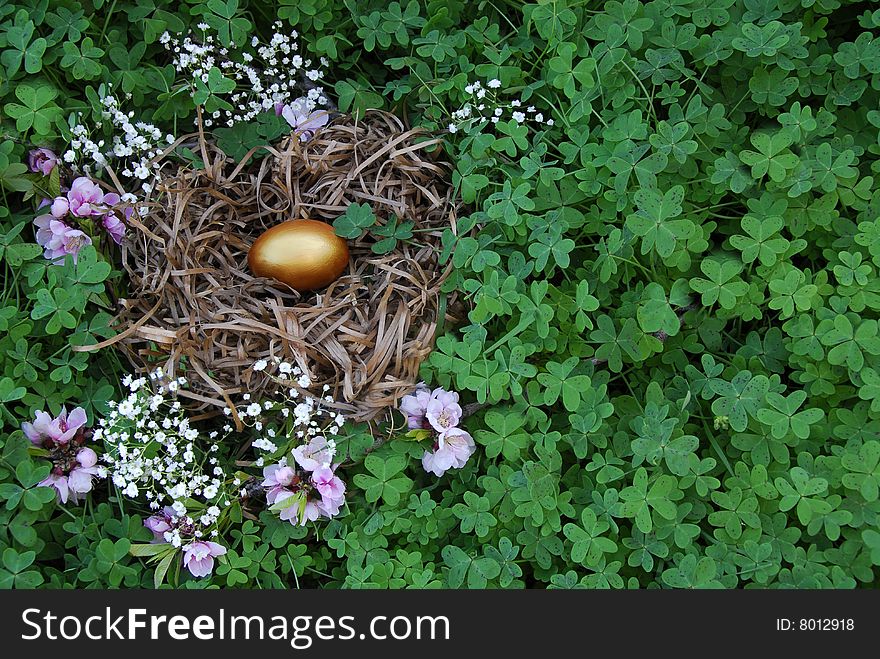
192, 304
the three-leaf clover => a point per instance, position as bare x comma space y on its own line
82, 60
20, 48
505, 555
782, 415
474, 514
559, 382
507, 203
28, 493
221, 15
35, 110
654, 440
384, 480
670, 139
588, 539
761, 241
477, 571
772, 157
655, 314
653, 220
740, 398
356, 219
640, 499
505, 436
800, 492
791, 293
852, 269
572, 78
758, 40
723, 285
393, 231
613, 344
849, 343
863, 470
15, 574
691, 572
209, 93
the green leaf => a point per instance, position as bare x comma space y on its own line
863, 470
655, 314
35, 111
740, 398
653, 220
588, 540
692, 573
505, 437
474, 515
356, 219
723, 285
772, 157
357, 97
761, 242
783, 416
82, 60
384, 483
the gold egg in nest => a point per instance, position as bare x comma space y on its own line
304, 254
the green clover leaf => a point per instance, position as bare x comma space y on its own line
653, 220
782, 415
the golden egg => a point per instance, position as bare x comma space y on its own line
304, 254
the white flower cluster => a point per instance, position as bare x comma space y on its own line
85, 153
486, 105
135, 144
153, 450
267, 76
292, 418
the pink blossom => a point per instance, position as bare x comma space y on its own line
112, 222
198, 557
332, 491
42, 161
330, 507
60, 207
59, 482
277, 478
86, 198
415, 405
74, 466
58, 239
452, 450
78, 481
159, 524
47, 431
115, 227
303, 122
317, 453
300, 511
327, 483
443, 411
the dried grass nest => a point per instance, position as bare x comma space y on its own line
193, 305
